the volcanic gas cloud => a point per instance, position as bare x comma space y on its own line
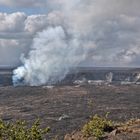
79, 32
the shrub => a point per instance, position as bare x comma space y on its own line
20, 131
97, 127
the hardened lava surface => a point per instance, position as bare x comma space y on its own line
67, 108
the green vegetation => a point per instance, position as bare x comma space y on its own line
20, 131
90, 103
97, 127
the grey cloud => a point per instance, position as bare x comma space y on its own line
112, 26
35, 23
14, 35
10, 51
12, 22
17, 31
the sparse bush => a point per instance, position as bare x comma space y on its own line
97, 127
20, 131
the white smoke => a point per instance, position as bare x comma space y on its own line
79, 31
137, 77
109, 77
53, 54
56, 49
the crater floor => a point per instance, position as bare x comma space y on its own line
67, 108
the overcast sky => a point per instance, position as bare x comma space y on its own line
114, 28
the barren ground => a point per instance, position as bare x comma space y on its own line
67, 108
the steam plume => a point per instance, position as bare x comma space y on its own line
54, 50
81, 31
53, 54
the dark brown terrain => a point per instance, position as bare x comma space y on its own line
67, 108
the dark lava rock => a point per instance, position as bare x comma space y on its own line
78, 103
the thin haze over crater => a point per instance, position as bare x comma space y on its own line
76, 32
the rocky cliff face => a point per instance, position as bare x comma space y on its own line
105, 74
108, 75
5, 77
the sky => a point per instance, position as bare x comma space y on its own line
111, 28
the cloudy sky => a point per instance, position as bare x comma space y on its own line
110, 27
